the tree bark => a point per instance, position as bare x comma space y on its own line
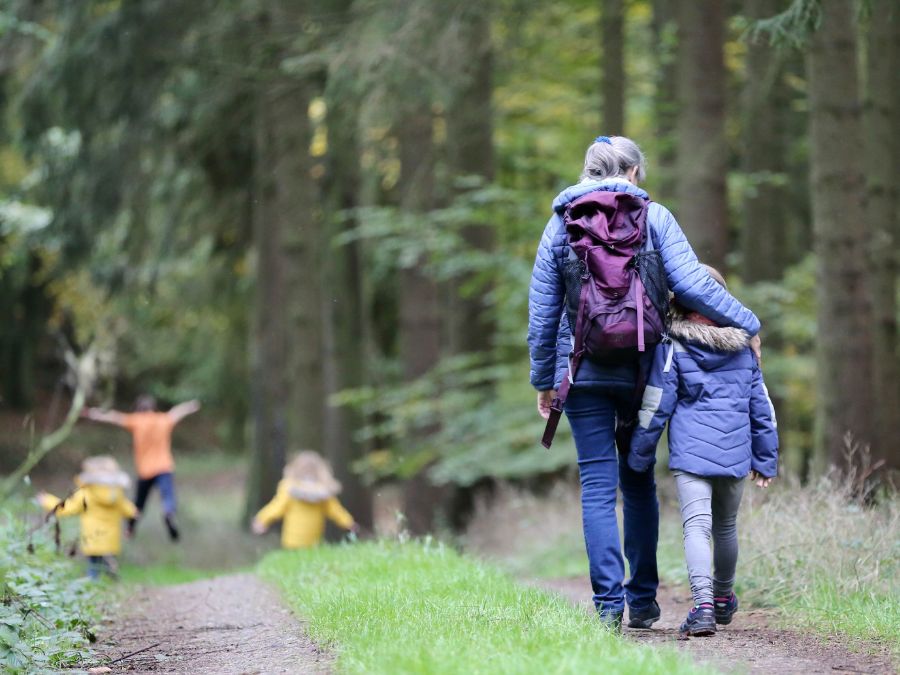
288, 393
344, 351
765, 214
419, 309
665, 99
469, 322
844, 376
882, 171
702, 149
470, 153
612, 66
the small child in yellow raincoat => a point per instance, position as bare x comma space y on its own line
306, 496
101, 502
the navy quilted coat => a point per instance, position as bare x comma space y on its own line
707, 385
549, 337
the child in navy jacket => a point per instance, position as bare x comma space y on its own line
706, 383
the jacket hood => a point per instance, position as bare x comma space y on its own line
107, 495
710, 346
309, 491
573, 192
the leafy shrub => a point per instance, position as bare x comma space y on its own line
47, 608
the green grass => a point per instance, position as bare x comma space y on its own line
826, 561
862, 616
387, 607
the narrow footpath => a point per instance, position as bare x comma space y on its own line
752, 643
228, 624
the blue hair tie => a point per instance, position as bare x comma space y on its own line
603, 139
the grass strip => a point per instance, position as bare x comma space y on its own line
420, 607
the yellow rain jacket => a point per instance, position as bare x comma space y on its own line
102, 508
304, 515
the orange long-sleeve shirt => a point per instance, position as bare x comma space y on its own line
152, 434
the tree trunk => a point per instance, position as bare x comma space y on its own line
288, 394
344, 351
469, 322
470, 153
612, 66
420, 313
665, 100
765, 209
844, 377
702, 150
882, 170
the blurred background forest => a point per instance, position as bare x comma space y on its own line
320, 218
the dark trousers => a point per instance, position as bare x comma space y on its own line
592, 417
98, 564
165, 482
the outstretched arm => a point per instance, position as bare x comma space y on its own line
105, 416
272, 511
182, 410
73, 505
336, 512
690, 281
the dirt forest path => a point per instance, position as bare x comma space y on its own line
751, 643
228, 624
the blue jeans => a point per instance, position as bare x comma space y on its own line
166, 484
592, 417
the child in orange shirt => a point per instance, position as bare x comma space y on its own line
151, 432
306, 496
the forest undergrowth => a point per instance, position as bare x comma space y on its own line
48, 609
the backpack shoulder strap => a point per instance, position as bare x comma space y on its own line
648, 237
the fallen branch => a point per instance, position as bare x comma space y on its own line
139, 651
54, 439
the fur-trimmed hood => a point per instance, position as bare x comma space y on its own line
310, 491
709, 346
714, 337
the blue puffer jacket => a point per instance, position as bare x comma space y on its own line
549, 338
707, 383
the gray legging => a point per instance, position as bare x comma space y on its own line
709, 506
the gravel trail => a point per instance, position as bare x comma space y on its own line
228, 624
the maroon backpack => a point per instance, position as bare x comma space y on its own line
616, 293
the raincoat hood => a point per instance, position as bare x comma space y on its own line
309, 491
308, 477
105, 495
102, 470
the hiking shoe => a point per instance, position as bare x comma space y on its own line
644, 617
725, 609
170, 526
612, 621
700, 621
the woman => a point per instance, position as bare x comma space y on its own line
614, 164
